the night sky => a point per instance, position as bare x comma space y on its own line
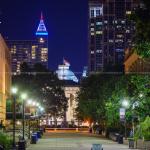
66, 22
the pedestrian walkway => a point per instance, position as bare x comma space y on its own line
65, 141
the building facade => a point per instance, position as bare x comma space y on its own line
136, 64
5, 78
30, 51
110, 33
71, 88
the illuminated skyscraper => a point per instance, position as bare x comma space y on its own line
110, 33
30, 51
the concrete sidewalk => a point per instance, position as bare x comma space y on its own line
74, 142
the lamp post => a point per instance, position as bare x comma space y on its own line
39, 109
14, 92
23, 96
29, 103
125, 104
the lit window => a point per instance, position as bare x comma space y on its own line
96, 11
119, 36
128, 12
92, 13
92, 29
105, 21
92, 33
99, 32
118, 26
41, 40
118, 40
98, 51
127, 31
33, 52
99, 23
111, 41
92, 52
44, 52
92, 24
119, 50
123, 22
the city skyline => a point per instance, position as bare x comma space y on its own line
30, 51
60, 44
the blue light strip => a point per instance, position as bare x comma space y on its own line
41, 33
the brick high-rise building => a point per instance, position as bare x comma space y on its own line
30, 51
110, 33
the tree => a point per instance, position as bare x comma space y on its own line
94, 92
142, 36
44, 86
101, 96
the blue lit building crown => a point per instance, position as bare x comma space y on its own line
41, 28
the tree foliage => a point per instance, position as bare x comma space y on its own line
142, 22
101, 97
43, 86
143, 129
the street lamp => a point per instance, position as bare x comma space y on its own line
29, 103
41, 110
125, 104
14, 91
23, 97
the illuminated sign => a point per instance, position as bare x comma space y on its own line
122, 114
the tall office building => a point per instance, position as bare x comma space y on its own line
30, 51
110, 33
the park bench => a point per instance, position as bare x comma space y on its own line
96, 147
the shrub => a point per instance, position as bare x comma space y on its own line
143, 130
5, 141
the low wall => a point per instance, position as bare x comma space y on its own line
66, 129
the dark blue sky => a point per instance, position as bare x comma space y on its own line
66, 22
